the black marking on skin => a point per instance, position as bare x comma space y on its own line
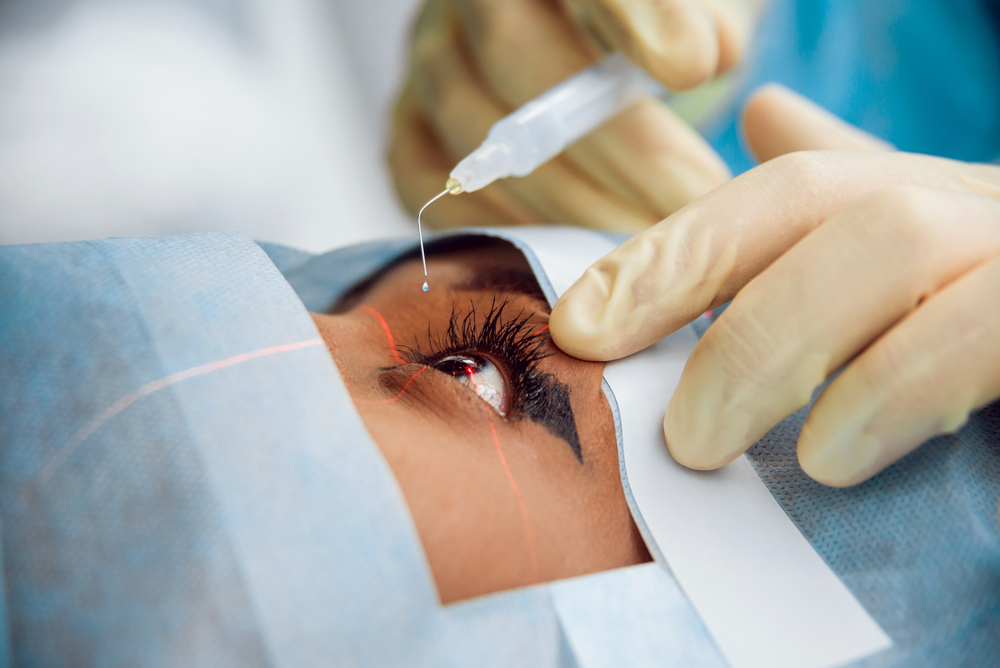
547, 403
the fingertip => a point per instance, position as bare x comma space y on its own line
677, 43
680, 66
778, 121
772, 102
762, 101
696, 436
845, 457
576, 323
688, 454
762, 120
679, 447
731, 37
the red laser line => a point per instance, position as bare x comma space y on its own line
388, 333
389, 401
522, 509
114, 409
528, 533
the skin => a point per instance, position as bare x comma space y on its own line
437, 438
837, 253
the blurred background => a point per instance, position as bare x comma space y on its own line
270, 117
148, 117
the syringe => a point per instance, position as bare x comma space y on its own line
537, 132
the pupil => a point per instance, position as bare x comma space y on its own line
457, 366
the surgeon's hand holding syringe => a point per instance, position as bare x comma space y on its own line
474, 62
540, 130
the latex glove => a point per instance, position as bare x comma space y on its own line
473, 62
887, 262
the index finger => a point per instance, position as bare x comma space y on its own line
700, 257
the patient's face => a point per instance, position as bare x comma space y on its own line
503, 446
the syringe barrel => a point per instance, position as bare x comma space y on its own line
542, 128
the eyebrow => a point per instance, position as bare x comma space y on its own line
494, 278
503, 279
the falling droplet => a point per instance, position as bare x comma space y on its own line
426, 287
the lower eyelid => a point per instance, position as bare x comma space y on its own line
404, 382
432, 394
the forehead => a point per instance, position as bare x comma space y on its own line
469, 265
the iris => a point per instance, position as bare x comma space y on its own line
480, 374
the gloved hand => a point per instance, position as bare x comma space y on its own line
885, 261
472, 62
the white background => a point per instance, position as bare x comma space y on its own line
141, 117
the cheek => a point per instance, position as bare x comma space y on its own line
357, 345
460, 499
578, 513
496, 513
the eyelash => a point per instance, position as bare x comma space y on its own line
512, 344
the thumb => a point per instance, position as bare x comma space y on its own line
778, 121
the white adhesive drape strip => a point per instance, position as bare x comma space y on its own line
763, 592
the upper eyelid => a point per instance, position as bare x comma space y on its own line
507, 342
466, 335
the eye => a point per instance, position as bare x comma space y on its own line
480, 375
